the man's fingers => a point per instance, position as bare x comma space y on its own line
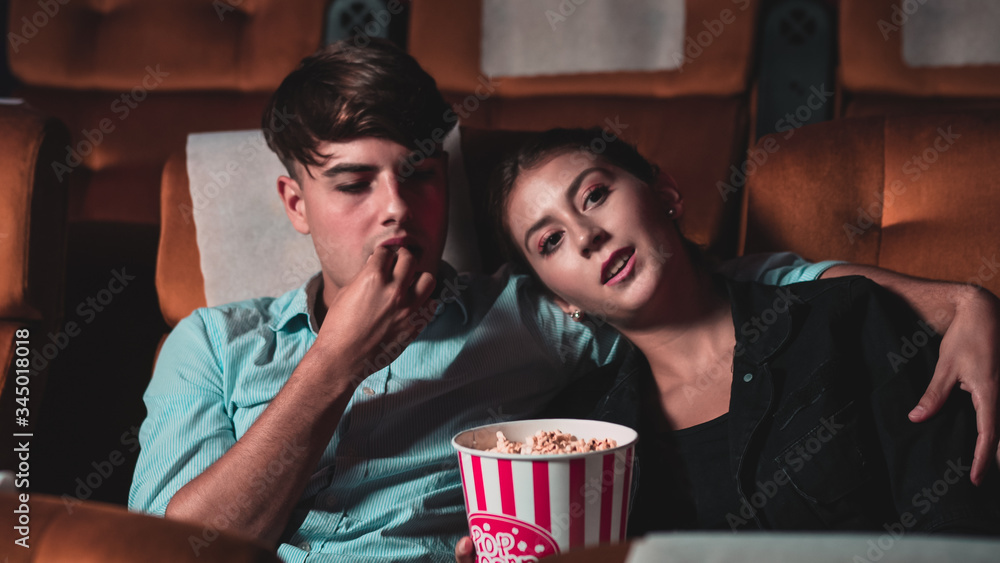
464, 552
935, 395
383, 259
986, 441
423, 287
405, 268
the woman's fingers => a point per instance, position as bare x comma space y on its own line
464, 552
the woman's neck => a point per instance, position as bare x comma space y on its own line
690, 352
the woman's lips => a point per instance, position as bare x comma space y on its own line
614, 270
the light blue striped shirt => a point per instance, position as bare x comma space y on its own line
387, 487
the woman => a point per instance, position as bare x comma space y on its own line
775, 408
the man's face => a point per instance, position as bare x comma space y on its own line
368, 194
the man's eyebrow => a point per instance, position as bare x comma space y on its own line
347, 168
574, 187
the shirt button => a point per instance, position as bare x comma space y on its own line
304, 546
748, 377
368, 391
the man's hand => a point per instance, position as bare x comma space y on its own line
970, 357
377, 312
464, 552
969, 319
367, 317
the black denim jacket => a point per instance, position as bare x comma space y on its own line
824, 374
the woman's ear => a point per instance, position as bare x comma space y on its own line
564, 305
666, 189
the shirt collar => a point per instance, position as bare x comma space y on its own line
302, 301
763, 316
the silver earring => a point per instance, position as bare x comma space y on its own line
670, 212
576, 315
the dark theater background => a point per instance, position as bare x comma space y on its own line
861, 130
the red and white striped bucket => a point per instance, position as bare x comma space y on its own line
525, 507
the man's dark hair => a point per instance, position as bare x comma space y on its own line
343, 92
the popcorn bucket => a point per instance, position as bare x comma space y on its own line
525, 507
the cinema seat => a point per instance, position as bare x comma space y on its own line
62, 529
32, 251
692, 121
915, 194
876, 79
132, 78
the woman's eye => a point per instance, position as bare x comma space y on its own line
596, 195
549, 243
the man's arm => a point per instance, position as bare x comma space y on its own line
297, 425
969, 319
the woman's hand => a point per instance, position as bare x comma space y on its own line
970, 357
464, 552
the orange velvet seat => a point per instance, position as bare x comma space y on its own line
875, 80
32, 252
155, 71
93, 532
914, 194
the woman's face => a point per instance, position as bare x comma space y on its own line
597, 236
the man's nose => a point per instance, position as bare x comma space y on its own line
395, 205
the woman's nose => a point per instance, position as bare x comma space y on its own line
591, 240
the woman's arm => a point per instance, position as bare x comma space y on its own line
969, 319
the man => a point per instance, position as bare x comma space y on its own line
320, 421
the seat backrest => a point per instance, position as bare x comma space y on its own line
33, 254
914, 194
68, 529
101, 45
446, 36
692, 120
918, 56
32, 216
131, 78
